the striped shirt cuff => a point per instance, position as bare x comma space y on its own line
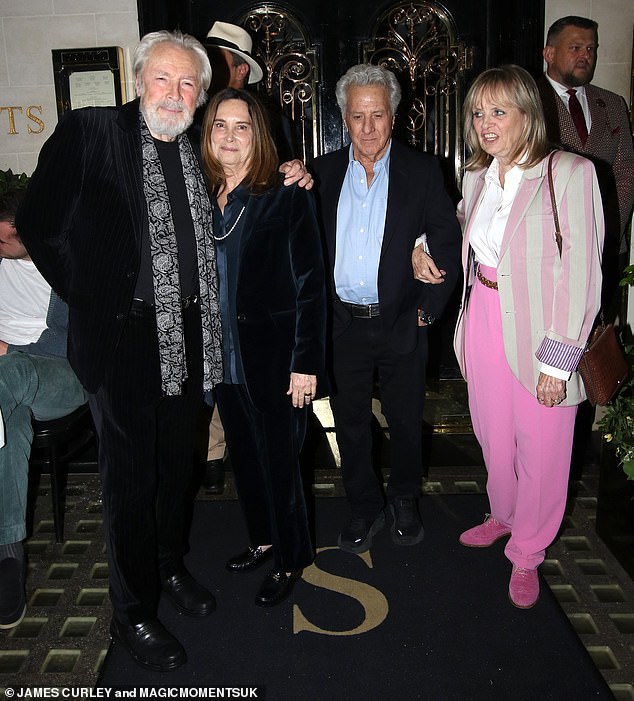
559, 355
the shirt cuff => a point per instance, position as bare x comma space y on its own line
559, 355
422, 239
555, 372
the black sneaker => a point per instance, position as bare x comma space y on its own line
357, 536
407, 528
12, 594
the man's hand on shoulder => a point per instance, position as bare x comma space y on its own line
295, 172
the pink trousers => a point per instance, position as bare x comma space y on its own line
526, 446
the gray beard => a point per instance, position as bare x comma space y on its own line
165, 127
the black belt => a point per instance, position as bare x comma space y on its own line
141, 305
362, 311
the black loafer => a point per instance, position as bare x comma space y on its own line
150, 644
249, 559
12, 594
276, 587
187, 595
214, 479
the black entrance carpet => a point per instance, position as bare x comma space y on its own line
431, 622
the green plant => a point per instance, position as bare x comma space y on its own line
617, 423
12, 181
628, 276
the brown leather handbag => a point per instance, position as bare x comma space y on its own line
603, 366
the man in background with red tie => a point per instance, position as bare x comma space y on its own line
593, 122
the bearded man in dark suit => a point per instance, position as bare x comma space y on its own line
118, 220
593, 122
377, 198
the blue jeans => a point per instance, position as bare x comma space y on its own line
30, 385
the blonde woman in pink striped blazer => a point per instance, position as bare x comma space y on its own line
526, 314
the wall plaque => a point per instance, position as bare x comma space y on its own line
92, 77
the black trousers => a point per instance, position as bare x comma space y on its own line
264, 449
358, 353
146, 460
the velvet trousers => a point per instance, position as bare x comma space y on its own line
30, 386
359, 353
146, 460
264, 447
526, 446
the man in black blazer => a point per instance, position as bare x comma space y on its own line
118, 220
377, 198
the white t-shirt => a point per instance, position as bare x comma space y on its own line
24, 302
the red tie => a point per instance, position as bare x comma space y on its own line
577, 115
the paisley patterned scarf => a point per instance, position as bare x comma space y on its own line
164, 253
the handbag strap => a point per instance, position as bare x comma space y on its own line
553, 201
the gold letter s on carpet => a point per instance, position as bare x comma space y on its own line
374, 603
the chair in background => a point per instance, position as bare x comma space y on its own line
55, 444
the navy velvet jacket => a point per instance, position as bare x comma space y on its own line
281, 295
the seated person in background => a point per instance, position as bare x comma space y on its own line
35, 380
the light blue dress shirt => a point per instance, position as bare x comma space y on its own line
360, 226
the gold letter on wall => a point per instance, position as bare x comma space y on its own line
33, 118
12, 129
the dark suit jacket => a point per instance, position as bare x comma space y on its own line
281, 294
82, 220
609, 147
417, 204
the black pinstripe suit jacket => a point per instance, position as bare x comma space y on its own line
82, 221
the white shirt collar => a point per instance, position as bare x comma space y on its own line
562, 90
512, 178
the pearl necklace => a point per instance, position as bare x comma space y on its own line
235, 223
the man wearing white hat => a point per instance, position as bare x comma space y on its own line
235, 44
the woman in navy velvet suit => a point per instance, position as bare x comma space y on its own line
273, 310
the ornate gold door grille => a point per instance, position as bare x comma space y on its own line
417, 41
291, 75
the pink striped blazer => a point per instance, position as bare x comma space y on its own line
548, 302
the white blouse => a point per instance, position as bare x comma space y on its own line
493, 212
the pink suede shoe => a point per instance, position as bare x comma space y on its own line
523, 587
485, 534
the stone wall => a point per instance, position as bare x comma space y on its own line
29, 30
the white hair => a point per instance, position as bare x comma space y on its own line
181, 41
368, 74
